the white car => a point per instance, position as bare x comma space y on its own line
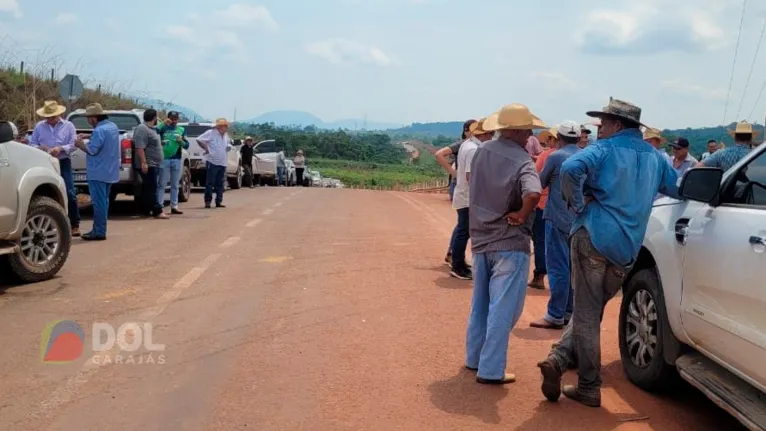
695, 302
35, 235
234, 170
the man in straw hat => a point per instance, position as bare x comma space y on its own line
654, 138
460, 200
744, 135
610, 185
56, 136
504, 191
102, 165
549, 138
558, 222
215, 144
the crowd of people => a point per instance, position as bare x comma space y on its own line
158, 160
585, 206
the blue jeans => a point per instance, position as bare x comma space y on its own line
460, 237
452, 185
499, 290
538, 239
280, 176
170, 171
99, 198
66, 174
215, 176
557, 260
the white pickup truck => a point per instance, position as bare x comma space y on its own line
130, 180
234, 171
695, 302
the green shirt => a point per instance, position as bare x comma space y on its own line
171, 148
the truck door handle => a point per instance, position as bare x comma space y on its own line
757, 240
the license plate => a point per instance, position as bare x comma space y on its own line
80, 178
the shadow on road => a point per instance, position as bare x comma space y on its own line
448, 282
463, 396
536, 334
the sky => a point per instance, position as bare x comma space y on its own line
405, 61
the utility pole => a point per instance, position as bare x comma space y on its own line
235, 115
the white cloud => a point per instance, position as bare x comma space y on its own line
180, 32
685, 88
209, 39
240, 14
339, 51
11, 6
66, 18
554, 80
653, 26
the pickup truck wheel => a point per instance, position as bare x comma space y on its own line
642, 314
45, 242
185, 187
236, 182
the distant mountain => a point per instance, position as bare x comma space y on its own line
158, 104
300, 118
451, 128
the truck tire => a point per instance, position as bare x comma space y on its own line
185, 187
236, 182
643, 318
45, 242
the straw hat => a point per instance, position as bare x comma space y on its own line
743, 128
50, 108
651, 133
94, 110
619, 109
513, 117
477, 128
221, 122
545, 135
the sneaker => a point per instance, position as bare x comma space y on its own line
573, 394
462, 273
508, 378
176, 211
75, 232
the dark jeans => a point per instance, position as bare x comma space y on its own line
462, 234
247, 178
67, 176
538, 239
595, 281
452, 185
299, 177
214, 179
280, 175
149, 200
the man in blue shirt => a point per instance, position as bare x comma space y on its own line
558, 222
610, 185
743, 142
102, 164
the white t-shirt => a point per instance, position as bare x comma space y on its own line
217, 145
464, 159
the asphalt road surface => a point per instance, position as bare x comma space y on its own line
316, 309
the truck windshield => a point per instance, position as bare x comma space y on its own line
195, 130
123, 121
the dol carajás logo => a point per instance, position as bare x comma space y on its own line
62, 341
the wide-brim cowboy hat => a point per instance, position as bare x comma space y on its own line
50, 108
477, 128
651, 133
743, 128
553, 132
221, 122
619, 109
513, 117
94, 110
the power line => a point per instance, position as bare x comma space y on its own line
734, 63
752, 66
755, 105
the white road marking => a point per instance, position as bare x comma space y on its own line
230, 241
278, 204
268, 211
64, 393
253, 223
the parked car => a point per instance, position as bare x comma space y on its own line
694, 302
266, 162
35, 235
130, 179
316, 179
234, 171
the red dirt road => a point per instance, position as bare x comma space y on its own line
317, 309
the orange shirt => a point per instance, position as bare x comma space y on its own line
539, 165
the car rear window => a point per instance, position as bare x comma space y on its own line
195, 130
125, 122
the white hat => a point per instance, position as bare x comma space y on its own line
569, 128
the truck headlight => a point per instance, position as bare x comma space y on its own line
56, 165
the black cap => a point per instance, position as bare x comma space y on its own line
173, 114
680, 143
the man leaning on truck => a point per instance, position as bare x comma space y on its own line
56, 136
